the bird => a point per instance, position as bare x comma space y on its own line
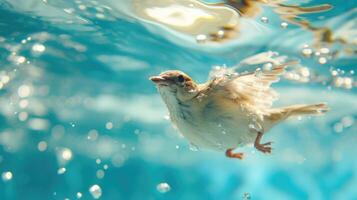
230, 110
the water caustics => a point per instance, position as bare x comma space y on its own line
188, 17
233, 19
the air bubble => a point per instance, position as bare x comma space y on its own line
201, 38
95, 191
324, 50
23, 116
100, 174
220, 34
61, 170
5, 79
322, 60
38, 48
347, 121
6, 176
92, 135
334, 73
284, 25
307, 52
163, 187
79, 195
24, 91
23, 103
109, 125
82, 7
66, 154
42, 146
264, 19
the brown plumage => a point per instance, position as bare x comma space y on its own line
228, 111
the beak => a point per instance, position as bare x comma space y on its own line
158, 79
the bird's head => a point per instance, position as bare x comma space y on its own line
176, 83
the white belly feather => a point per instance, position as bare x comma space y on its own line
217, 134
210, 128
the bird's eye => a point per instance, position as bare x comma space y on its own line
180, 79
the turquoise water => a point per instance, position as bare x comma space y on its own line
77, 108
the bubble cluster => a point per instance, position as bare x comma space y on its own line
322, 55
89, 11
344, 123
299, 74
343, 82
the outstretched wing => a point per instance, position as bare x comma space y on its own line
254, 88
250, 89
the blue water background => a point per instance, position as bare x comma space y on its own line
95, 71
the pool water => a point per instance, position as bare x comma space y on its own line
79, 118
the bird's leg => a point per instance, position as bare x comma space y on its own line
231, 154
265, 148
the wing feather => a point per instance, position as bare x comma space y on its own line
251, 89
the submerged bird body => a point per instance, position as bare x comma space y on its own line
228, 111
210, 124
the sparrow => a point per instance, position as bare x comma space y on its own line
230, 110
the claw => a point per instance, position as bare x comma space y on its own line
265, 148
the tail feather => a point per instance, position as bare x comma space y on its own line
295, 110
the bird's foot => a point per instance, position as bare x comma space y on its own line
231, 154
265, 148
